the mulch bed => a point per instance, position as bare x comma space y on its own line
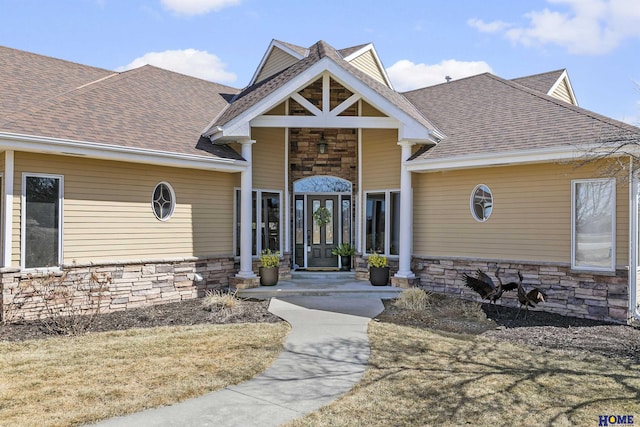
447, 315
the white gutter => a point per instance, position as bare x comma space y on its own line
501, 159
59, 146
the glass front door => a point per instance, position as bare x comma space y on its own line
322, 220
322, 235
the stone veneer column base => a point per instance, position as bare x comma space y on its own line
244, 283
405, 282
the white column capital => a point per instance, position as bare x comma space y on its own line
247, 141
406, 143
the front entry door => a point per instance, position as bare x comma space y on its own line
322, 232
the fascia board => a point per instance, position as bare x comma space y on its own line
411, 129
93, 150
498, 159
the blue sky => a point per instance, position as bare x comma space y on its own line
420, 42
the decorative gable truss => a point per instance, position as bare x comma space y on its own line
325, 103
313, 84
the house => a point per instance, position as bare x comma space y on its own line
170, 185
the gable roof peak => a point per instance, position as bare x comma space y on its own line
555, 83
301, 51
348, 51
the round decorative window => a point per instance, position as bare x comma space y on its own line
481, 203
164, 201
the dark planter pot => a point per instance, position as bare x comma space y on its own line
268, 275
379, 276
346, 263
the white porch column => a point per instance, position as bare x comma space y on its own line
7, 217
406, 214
246, 211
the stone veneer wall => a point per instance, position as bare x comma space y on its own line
130, 284
341, 158
578, 294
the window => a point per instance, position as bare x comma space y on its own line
481, 203
593, 224
163, 201
41, 221
382, 231
266, 213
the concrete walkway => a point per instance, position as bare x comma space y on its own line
325, 355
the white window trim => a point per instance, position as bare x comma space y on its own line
173, 201
23, 220
387, 221
258, 220
612, 267
471, 206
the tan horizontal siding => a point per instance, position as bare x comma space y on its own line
108, 214
367, 63
278, 110
531, 218
277, 61
367, 110
562, 92
380, 159
267, 155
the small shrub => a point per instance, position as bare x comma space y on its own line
343, 249
414, 299
455, 307
69, 303
377, 260
220, 301
270, 259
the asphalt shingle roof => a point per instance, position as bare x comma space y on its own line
147, 108
485, 114
542, 82
28, 78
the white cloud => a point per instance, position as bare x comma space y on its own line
196, 63
584, 27
488, 27
198, 7
405, 75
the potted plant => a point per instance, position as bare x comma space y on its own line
269, 270
378, 269
345, 251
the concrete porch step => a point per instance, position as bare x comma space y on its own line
321, 284
323, 275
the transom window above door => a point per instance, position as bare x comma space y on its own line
322, 184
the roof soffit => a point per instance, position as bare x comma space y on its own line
409, 127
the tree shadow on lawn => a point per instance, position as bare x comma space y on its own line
418, 376
466, 379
